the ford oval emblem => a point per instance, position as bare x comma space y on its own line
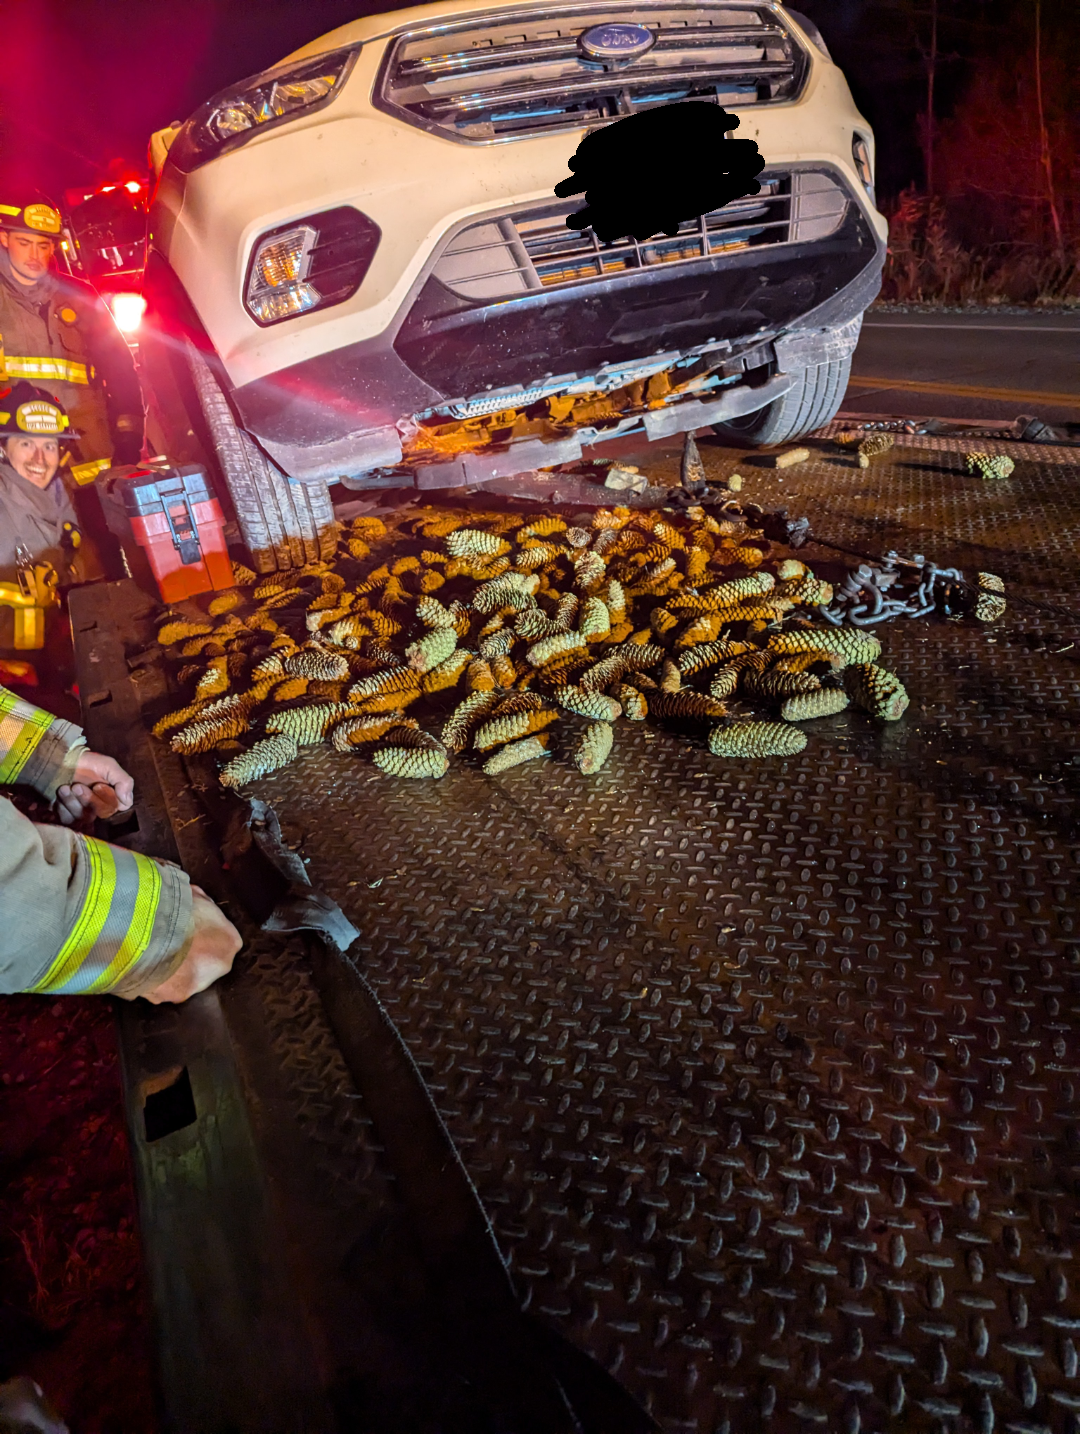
615, 42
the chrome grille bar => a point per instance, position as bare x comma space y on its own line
517, 73
481, 101
435, 67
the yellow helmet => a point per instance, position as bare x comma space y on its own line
29, 411
34, 216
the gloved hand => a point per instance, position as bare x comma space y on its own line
101, 789
127, 448
24, 1406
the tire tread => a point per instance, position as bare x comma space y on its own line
284, 523
809, 404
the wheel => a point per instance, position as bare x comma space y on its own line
810, 403
284, 523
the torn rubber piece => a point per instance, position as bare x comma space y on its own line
301, 908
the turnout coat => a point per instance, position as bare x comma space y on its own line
77, 916
59, 335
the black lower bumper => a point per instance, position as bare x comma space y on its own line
736, 298
337, 413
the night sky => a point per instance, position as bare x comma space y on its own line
84, 81
93, 78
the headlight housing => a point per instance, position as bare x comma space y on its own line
310, 263
258, 104
864, 168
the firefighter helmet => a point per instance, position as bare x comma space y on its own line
33, 216
27, 411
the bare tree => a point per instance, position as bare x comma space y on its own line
932, 57
931, 74
1046, 154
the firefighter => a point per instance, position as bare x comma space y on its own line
55, 331
41, 546
36, 515
78, 916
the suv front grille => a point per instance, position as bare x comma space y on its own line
517, 74
533, 249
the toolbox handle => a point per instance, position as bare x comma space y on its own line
185, 534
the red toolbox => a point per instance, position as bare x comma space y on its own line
175, 517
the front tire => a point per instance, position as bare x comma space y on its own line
284, 523
810, 403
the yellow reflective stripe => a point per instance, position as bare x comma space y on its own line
10, 209
66, 370
20, 733
100, 889
86, 472
134, 944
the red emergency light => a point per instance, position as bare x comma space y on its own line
127, 311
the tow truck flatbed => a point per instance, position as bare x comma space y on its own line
766, 1075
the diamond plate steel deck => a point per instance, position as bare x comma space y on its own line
768, 1073
928, 443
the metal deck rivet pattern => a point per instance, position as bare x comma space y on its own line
768, 1074
929, 443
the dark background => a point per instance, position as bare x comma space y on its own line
85, 81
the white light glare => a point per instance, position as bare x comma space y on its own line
127, 311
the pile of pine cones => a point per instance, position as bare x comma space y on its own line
491, 628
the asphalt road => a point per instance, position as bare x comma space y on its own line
968, 366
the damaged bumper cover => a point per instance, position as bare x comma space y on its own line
335, 417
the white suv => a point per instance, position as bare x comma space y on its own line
360, 258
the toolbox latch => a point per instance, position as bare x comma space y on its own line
185, 534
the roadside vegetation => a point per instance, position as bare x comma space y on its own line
929, 263
976, 109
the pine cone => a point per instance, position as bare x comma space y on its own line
308, 725
685, 704
354, 731
852, 644
991, 466
472, 542
508, 729
264, 757
594, 705
875, 690
774, 686
594, 747
411, 761
316, 664
872, 446
823, 703
514, 754
432, 649
448, 673
756, 739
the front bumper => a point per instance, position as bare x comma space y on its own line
336, 415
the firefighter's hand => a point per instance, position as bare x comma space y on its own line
211, 954
24, 1406
101, 789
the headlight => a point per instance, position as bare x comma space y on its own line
309, 264
266, 100
860, 154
